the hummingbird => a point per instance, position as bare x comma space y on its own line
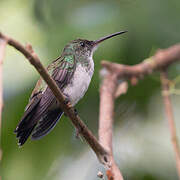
72, 71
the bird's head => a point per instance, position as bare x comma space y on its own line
84, 48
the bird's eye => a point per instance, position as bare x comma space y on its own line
82, 44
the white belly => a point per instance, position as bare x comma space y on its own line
80, 83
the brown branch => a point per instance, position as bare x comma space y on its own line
161, 60
107, 95
101, 153
170, 117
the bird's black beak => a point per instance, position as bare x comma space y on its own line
96, 42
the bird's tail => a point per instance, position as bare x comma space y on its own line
36, 121
46, 124
27, 124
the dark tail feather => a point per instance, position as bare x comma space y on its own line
46, 124
27, 123
23, 135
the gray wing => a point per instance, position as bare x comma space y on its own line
62, 75
41, 100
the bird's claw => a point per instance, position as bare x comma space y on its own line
75, 112
67, 102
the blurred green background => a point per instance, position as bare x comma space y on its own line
142, 144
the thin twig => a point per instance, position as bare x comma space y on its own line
101, 153
107, 97
170, 117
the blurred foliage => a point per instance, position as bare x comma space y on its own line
48, 26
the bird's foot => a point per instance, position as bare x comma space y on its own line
67, 101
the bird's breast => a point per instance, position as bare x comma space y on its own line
79, 83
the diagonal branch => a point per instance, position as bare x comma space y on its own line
101, 153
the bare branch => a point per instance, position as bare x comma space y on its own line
107, 96
101, 153
161, 60
170, 117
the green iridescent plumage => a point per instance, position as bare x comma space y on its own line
61, 63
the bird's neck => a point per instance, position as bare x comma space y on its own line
86, 63
83, 61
